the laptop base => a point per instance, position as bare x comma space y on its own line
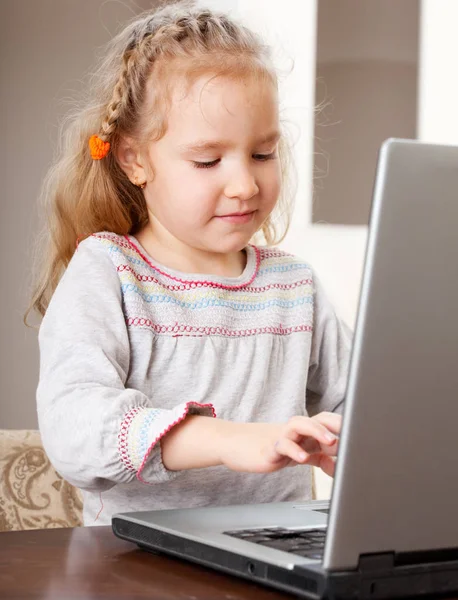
378, 576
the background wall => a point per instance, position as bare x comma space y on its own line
366, 81
438, 84
46, 46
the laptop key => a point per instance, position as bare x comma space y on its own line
308, 543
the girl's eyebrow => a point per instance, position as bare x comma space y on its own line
205, 145
202, 145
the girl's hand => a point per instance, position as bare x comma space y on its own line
269, 447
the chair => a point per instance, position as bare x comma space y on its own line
32, 494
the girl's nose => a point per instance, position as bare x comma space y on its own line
242, 185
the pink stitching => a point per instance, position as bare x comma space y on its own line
280, 286
200, 331
101, 508
261, 254
274, 253
266, 252
116, 238
199, 284
209, 283
123, 436
161, 435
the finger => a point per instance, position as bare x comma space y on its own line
327, 465
330, 450
331, 421
314, 460
286, 447
310, 445
310, 428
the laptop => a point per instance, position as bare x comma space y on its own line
391, 527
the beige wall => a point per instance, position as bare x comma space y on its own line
367, 69
45, 48
371, 101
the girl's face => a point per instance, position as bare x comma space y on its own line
215, 173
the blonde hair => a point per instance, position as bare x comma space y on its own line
83, 196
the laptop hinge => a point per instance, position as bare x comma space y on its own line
390, 560
376, 562
426, 556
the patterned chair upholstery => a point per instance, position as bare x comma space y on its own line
32, 494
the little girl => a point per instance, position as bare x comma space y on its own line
180, 365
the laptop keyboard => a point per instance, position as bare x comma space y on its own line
308, 543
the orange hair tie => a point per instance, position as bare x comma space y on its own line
99, 148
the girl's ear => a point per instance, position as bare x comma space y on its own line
130, 160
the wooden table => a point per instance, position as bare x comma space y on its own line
91, 563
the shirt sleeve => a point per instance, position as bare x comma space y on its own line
329, 358
96, 431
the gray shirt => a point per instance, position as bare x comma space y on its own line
129, 347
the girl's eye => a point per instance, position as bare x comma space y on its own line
264, 157
205, 165
213, 163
